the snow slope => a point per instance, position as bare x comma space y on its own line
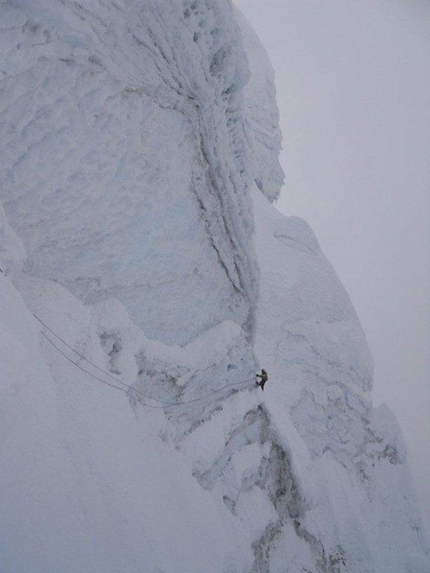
88, 484
136, 168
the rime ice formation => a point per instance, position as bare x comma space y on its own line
145, 279
129, 138
262, 114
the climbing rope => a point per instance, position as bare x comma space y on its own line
128, 389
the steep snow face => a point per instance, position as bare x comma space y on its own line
124, 163
123, 453
87, 482
126, 167
12, 252
348, 459
262, 114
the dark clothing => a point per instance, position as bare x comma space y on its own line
263, 379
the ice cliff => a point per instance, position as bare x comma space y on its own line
146, 277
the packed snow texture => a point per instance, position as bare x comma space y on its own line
262, 114
124, 162
137, 168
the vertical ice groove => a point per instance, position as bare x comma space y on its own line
134, 116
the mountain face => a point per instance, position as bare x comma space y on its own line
146, 277
124, 131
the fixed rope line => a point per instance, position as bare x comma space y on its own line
95, 376
80, 367
82, 355
115, 377
128, 386
138, 391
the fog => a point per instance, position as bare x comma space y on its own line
353, 87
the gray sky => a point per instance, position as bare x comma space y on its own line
353, 83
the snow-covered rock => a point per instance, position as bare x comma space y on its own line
138, 158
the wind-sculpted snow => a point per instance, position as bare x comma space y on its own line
133, 437
309, 338
123, 159
87, 482
12, 252
262, 115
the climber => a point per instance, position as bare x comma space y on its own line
263, 379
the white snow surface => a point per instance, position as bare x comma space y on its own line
136, 169
122, 136
262, 114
